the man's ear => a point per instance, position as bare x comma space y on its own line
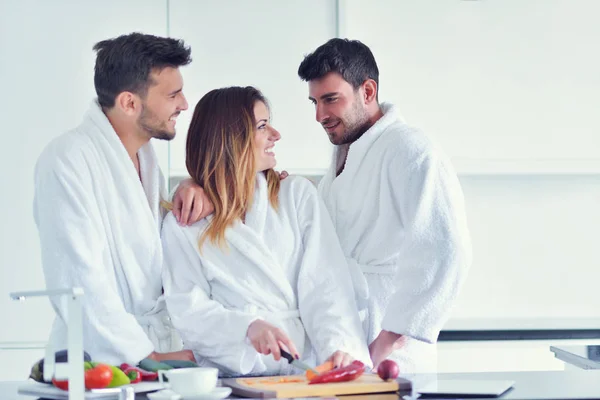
370, 90
129, 103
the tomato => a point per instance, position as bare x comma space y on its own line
98, 377
64, 385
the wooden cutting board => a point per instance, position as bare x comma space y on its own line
273, 387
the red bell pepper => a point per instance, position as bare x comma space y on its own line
348, 373
143, 374
133, 374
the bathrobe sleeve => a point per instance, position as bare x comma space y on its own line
436, 252
326, 297
206, 327
164, 196
75, 253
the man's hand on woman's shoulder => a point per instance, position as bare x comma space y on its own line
190, 203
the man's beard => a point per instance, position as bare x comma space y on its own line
148, 122
355, 125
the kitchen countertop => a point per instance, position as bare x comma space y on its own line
495, 324
585, 356
530, 385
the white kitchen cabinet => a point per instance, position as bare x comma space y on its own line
499, 356
17, 358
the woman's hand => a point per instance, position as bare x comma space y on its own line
340, 359
268, 339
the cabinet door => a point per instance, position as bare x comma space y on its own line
256, 43
16, 363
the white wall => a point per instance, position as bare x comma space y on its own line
510, 90
509, 79
258, 43
46, 70
534, 235
535, 246
47, 81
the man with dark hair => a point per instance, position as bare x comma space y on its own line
396, 203
97, 199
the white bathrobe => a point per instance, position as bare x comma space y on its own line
284, 266
99, 229
399, 212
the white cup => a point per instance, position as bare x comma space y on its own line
190, 382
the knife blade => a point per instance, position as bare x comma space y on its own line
296, 363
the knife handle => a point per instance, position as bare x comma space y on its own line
287, 355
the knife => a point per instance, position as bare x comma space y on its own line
296, 363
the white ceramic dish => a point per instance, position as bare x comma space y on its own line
167, 394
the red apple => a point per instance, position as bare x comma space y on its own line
388, 369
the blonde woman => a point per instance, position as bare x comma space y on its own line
265, 271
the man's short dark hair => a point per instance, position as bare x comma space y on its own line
125, 63
350, 58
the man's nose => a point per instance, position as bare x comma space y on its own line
184, 105
321, 114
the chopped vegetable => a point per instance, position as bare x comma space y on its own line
344, 374
325, 367
273, 381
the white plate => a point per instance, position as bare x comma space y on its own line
218, 393
48, 391
168, 394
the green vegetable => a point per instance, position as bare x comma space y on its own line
119, 378
180, 364
151, 365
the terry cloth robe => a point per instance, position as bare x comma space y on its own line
99, 229
284, 266
399, 213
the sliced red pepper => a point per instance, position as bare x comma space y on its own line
348, 373
144, 375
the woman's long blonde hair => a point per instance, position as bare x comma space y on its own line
220, 156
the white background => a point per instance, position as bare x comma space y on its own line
509, 88
46, 70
